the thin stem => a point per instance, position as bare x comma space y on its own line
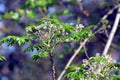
41, 12
86, 52
52, 66
110, 12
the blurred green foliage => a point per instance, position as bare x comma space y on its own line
96, 68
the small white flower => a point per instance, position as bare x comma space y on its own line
71, 39
66, 33
89, 35
67, 40
97, 54
59, 31
45, 27
99, 70
79, 26
77, 68
84, 60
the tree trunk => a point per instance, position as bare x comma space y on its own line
52, 66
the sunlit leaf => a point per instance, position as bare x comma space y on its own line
2, 58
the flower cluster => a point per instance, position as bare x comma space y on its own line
51, 32
99, 67
96, 68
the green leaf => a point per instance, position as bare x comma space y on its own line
30, 14
2, 58
28, 49
19, 42
98, 59
75, 75
15, 16
117, 77
13, 39
59, 13
40, 55
30, 3
42, 3
60, 55
35, 57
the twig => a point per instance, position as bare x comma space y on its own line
110, 12
112, 33
104, 17
86, 52
72, 58
41, 12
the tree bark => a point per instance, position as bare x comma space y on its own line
52, 66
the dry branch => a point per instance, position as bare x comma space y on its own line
112, 33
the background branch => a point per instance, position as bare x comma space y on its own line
112, 33
86, 52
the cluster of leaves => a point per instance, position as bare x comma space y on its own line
30, 9
12, 40
47, 35
51, 32
15, 39
96, 68
40, 3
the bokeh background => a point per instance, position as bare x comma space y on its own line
15, 15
